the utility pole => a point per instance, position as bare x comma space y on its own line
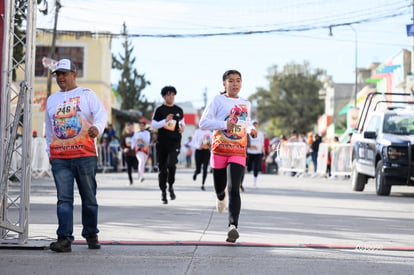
412, 46
52, 49
205, 96
355, 60
356, 66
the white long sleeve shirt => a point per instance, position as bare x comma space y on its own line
69, 115
256, 144
140, 136
202, 139
215, 118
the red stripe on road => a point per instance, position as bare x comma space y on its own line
253, 244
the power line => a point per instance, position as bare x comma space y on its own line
321, 13
247, 32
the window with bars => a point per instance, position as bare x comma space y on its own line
76, 54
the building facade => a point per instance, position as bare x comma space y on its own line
92, 56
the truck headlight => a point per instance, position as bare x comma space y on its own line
396, 153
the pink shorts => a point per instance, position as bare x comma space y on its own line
219, 162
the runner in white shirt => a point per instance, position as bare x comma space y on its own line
140, 141
202, 146
255, 153
229, 116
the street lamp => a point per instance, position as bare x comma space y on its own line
356, 65
356, 61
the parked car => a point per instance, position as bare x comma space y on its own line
383, 147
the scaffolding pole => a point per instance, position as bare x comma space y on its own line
16, 125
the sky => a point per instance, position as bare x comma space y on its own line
190, 43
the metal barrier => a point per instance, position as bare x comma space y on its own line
341, 160
110, 159
40, 160
152, 161
292, 158
322, 161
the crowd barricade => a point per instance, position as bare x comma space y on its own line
40, 160
109, 158
292, 157
322, 160
152, 161
112, 159
341, 159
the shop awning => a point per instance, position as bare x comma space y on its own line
129, 115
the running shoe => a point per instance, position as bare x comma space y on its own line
233, 234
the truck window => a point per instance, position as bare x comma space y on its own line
373, 124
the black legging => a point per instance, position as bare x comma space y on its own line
202, 157
232, 176
167, 156
132, 163
254, 162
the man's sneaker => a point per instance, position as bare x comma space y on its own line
164, 198
61, 245
203, 188
233, 234
141, 179
194, 177
93, 242
172, 194
222, 204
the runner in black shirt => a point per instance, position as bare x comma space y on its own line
169, 120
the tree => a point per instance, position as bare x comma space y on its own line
292, 100
132, 83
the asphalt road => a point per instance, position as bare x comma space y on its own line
288, 225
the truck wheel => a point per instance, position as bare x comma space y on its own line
381, 186
358, 180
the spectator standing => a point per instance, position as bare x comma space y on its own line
266, 152
315, 149
271, 164
294, 137
309, 141
105, 148
114, 147
332, 149
111, 131
74, 118
189, 152
229, 116
153, 152
140, 142
202, 145
255, 153
168, 118
129, 151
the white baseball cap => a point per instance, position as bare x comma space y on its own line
65, 65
